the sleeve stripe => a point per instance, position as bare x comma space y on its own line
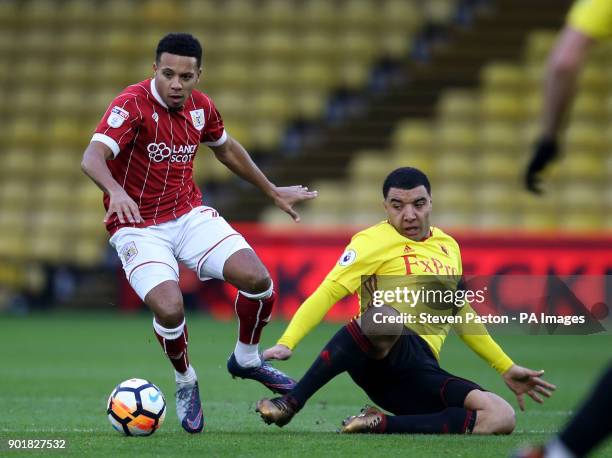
108, 141
218, 142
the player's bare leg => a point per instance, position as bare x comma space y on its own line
493, 414
166, 302
253, 306
245, 271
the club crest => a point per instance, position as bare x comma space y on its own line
128, 252
197, 118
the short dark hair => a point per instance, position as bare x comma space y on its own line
181, 44
405, 178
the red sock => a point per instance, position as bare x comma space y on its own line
253, 315
174, 343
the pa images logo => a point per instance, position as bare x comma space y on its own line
128, 253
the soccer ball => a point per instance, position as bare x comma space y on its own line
136, 407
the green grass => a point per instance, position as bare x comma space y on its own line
56, 372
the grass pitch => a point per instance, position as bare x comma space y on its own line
57, 371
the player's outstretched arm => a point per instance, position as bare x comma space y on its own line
522, 380
476, 336
563, 68
94, 166
233, 155
307, 317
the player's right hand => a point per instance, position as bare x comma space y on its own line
522, 380
546, 151
287, 196
280, 352
124, 206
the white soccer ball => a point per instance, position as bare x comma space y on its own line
136, 407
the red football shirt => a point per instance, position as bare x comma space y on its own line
154, 149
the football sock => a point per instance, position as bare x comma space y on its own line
557, 449
174, 343
247, 355
189, 377
591, 424
253, 311
452, 420
348, 349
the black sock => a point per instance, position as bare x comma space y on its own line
591, 424
452, 420
347, 350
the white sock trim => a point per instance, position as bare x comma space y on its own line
169, 334
247, 355
557, 449
189, 377
266, 294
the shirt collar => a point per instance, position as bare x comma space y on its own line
156, 94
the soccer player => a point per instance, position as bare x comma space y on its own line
586, 430
588, 22
141, 155
399, 371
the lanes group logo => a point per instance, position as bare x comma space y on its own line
181, 153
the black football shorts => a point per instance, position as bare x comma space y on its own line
409, 380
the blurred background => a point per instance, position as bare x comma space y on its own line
332, 94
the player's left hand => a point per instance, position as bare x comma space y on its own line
545, 151
522, 380
285, 197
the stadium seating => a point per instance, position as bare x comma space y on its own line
280, 60
476, 146
277, 60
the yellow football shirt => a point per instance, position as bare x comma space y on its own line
383, 252
592, 18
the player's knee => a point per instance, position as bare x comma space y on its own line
167, 305
262, 282
381, 331
246, 272
256, 282
506, 419
502, 421
170, 317
381, 321
254, 277
497, 416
